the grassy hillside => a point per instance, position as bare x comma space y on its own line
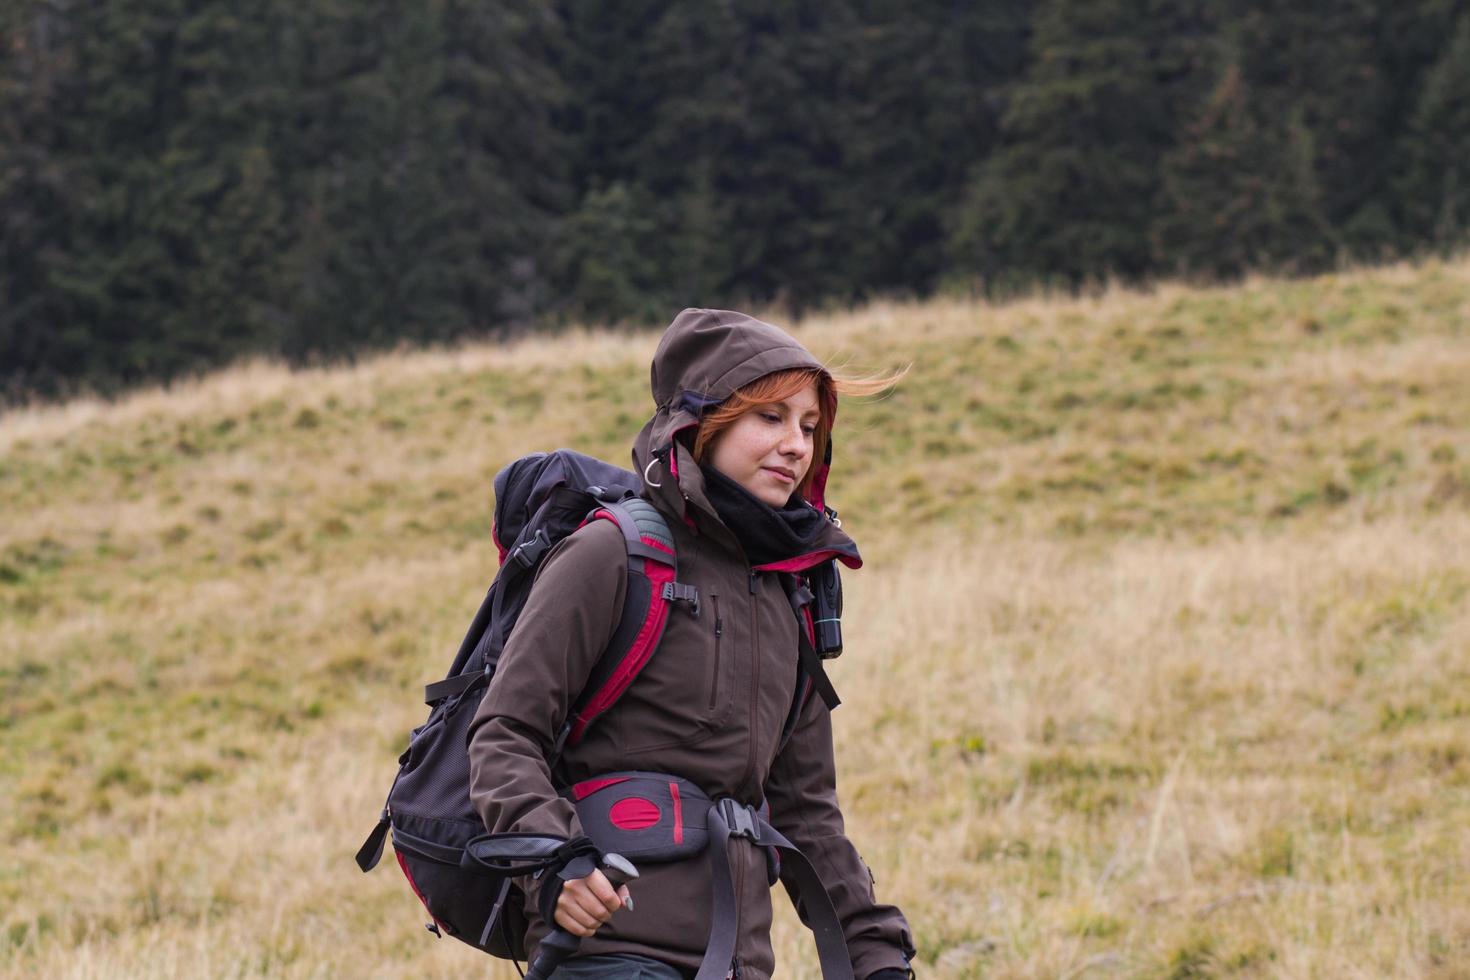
1160, 666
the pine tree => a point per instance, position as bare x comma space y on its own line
33, 196
1435, 184
426, 170
926, 91
651, 230
1240, 193
1324, 63
1068, 196
612, 249
755, 118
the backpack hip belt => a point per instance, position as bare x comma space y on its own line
656, 817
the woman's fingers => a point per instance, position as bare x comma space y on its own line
573, 918
602, 893
586, 903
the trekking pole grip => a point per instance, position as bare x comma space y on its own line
559, 944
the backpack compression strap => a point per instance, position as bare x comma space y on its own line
650, 591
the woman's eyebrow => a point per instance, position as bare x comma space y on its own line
811, 413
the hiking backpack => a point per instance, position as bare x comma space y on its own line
539, 499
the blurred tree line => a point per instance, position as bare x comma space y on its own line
183, 182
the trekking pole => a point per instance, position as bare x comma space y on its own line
559, 944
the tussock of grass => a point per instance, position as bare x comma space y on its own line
1174, 583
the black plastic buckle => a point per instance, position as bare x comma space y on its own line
739, 818
528, 553
679, 592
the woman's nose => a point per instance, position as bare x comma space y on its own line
793, 441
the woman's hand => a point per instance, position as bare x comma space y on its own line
586, 903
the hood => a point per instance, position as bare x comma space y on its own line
703, 357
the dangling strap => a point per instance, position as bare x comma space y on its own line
495, 911
728, 818
811, 664
371, 851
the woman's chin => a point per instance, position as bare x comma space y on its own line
775, 499
775, 491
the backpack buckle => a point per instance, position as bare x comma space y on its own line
528, 553
679, 592
739, 818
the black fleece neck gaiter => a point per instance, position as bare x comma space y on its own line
768, 535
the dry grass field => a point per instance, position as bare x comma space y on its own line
1160, 666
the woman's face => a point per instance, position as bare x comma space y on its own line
769, 448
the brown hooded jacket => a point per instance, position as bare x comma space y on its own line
709, 705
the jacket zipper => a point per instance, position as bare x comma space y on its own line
755, 677
714, 680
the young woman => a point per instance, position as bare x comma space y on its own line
735, 458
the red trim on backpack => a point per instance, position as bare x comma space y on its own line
495, 536
678, 813
638, 652
584, 789
659, 545
657, 613
634, 813
403, 866
802, 562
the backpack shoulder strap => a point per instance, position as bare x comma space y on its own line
651, 589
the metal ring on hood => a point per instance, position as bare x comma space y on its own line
645, 474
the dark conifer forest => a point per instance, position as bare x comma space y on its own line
186, 182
